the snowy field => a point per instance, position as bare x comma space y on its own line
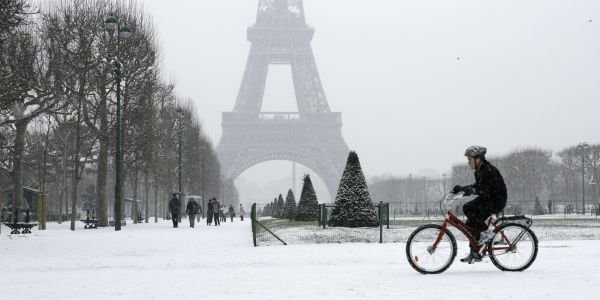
155, 261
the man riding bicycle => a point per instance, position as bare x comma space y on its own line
491, 197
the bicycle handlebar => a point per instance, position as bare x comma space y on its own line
446, 202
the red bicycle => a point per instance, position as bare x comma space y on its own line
431, 248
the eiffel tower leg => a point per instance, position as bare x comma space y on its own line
252, 88
309, 91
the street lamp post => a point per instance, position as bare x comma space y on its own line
444, 183
406, 193
203, 206
123, 32
582, 147
180, 140
224, 186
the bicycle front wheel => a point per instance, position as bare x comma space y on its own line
424, 255
513, 248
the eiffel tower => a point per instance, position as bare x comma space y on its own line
312, 136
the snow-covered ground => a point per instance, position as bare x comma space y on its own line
155, 261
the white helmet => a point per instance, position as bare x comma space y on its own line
475, 151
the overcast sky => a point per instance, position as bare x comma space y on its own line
416, 81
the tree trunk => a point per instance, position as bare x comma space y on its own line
155, 202
134, 206
101, 205
76, 168
42, 197
65, 189
21, 130
147, 192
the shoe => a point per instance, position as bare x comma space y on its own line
473, 257
485, 236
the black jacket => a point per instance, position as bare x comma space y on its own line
489, 185
192, 207
174, 205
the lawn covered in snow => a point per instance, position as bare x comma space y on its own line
156, 261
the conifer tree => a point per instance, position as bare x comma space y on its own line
308, 207
274, 208
289, 210
353, 206
280, 205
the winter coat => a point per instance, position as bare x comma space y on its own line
242, 211
489, 186
231, 211
216, 207
174, 205
192, 207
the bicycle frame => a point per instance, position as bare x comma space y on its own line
457, 223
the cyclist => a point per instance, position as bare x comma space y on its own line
491, 197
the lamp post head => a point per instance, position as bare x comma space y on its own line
111, 23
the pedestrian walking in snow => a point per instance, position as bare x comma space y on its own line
191, 210
175, 208
222, 213
209, 212
216, 210
231, 212
242, 212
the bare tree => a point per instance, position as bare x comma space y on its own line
29, 89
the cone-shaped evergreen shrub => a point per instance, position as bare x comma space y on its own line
308, 207
280, 205
353, 206
289, 210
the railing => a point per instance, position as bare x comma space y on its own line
327, 118
268, 229
398, 220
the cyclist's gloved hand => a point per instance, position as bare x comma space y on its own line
468, 191
456, 189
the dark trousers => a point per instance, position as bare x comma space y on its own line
241, 217
231, 216
192, 219
174, 218
216, 217
477, 211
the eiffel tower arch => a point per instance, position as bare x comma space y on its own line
311, 136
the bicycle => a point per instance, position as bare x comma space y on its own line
431, 248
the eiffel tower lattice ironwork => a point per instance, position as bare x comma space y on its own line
312, 136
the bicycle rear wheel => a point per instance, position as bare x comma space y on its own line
513, 248
421, 255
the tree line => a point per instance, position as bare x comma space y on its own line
307, 208
58, 112
538, 181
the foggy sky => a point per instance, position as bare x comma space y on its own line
416, 81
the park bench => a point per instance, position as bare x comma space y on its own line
20, 227
90, 223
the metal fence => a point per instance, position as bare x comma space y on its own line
397, 222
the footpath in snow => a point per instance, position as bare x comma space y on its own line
156, 261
